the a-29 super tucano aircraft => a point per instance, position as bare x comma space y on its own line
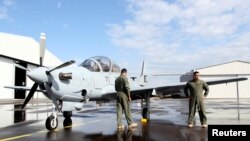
70, 86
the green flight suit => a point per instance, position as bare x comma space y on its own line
123, 90
194, 89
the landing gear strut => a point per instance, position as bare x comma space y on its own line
52, 121
145, 106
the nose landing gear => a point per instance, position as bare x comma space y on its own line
51, 122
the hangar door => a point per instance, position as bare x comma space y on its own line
20, 80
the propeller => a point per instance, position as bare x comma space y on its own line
39, 75
30, 95
41, 56
42, 47
61, 66
21, 67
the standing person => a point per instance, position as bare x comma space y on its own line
194, 90
123, 100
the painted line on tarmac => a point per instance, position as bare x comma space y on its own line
16, 137
43, 131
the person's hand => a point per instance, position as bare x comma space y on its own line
129, 99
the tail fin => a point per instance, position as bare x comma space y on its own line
143, 77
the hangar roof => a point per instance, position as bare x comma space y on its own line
233, 67
236, 67
25, 48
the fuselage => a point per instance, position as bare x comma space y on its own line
94, 79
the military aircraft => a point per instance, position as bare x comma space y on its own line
70, 86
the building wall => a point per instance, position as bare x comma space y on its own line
6, 77
227, 90
24, 49
20, 47
236, 67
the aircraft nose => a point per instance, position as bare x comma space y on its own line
38, 75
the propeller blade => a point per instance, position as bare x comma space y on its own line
42, 47
61, 66
31, 93
21, 67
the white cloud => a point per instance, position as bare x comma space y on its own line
8, 2
185, 33
211, 18
64, 25
4, 9
3, 13
59, 4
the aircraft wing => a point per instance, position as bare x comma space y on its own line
141, 92
167, 90
215, 82
109, 93
21, 88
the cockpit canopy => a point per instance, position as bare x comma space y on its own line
100, 64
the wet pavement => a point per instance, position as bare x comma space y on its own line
98, 122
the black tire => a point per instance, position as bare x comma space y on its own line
67, 122
67, 114
51, 123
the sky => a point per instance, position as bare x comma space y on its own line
172, 36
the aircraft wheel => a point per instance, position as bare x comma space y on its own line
67, 122
67, 114
145, 113
51, 123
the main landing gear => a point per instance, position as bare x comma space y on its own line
67, 121
145, 106
52, 121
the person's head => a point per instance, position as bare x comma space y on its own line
196, 75
124, 71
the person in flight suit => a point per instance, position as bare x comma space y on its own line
194, 90
123, 100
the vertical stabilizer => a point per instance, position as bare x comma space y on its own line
143, 77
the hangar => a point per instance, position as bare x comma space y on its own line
235, 68
24, 51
